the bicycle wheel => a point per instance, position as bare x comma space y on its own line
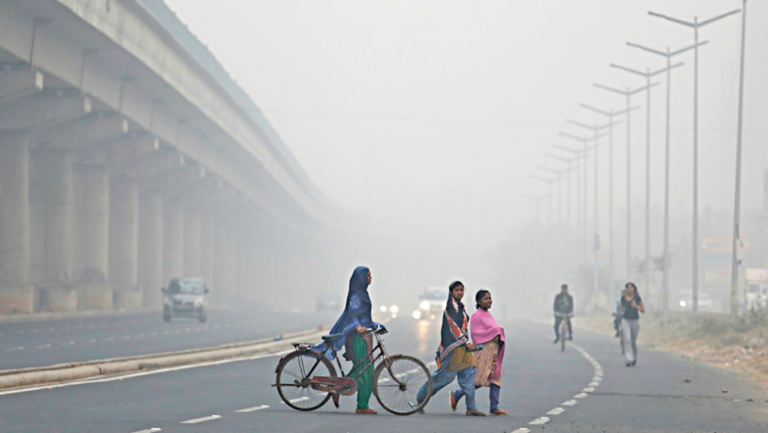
400, 399
293, 385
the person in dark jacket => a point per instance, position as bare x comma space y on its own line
563, 306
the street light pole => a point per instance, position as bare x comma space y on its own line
665, 256
610, 114
695, 25
584, 141
737, 199
627, 94
647, 74
549, 194
537, 200
569, 169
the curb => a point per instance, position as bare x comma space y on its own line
60, 373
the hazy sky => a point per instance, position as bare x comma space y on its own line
440, 110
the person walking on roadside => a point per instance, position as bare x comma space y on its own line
454, 354
485, 331
352, 324
631, 306
563, 306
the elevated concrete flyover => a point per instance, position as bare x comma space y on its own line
129, 156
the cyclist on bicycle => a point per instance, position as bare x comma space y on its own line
563, 309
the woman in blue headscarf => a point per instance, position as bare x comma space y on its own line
352, 324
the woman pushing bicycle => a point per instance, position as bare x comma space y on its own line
358, 343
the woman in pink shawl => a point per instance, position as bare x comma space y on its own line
484, 330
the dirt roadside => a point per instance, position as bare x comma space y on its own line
739, 344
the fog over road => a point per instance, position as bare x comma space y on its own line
653, 396
46, 342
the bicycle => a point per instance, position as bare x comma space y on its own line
306, 379
565, 326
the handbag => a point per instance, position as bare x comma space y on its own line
462, 359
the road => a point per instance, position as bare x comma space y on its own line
541, 385
46, 342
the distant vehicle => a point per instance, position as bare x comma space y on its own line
756, 289
685, 300
432, 303
327, 301
185, 297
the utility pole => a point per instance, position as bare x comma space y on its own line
584, 141
537, 200
647, 74
665, 256
610, 114
561, 174
737, 199
627, 94
595, 244
549, 182
569, 169
696, 247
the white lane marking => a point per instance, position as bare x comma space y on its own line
432, 364
199, 420
296, 400
594, 384
399, 375
43, 346
556, 411
15, 348
588, 389
521, 430
149, 430
580, 395
383, 380
539, 421
570, 403
253, 409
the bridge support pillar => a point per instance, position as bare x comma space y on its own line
192, 241
91, 233
123, 242
16, 293
52, 242
173, 239
151, 247
207, 253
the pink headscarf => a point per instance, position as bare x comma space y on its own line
484, 328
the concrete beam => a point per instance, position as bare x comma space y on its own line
123, 150
149, 166
43, 111
19, 83
93, 129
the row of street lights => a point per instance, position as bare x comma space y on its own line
582, 154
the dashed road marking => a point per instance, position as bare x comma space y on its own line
539, 421
199, 420
588, 389
521, 430
556, 411
296, 400
581, 395
13, 349
594, 383
253, 409
149, 430
570, 403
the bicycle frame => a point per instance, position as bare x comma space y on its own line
382, 354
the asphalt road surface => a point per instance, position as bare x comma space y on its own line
46, 342
573, 391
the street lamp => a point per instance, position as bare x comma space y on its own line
610, 114
665, 256
737, 198
537, 200
548, 181
695, 25
647, 74
627, 94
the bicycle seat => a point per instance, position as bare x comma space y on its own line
331, 338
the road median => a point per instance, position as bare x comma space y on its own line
73, 371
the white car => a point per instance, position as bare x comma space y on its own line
432, 303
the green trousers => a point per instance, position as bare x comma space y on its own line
360, 349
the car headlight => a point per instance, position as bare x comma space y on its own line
394, 309
383, 309
424, 305
417, 314
683, 304
198, 302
